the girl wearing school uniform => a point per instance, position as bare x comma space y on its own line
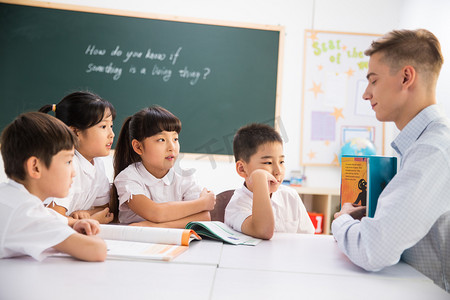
91, 119
150, 192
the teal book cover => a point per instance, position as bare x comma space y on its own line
363, 178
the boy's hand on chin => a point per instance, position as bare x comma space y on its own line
260, 175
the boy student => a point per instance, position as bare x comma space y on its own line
412, 220
37, 151
262, 205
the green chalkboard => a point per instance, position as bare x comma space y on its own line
214, 77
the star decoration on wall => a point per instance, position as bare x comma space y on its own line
350, 72
316, 89
338, 113
311, 155
313, 36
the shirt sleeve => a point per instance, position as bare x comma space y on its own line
407, 208
238, 209
33, 230
127, 187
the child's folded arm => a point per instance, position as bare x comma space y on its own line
169, 211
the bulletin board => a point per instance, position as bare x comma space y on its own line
333, 111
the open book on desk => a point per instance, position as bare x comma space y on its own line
222, 232
154, 243
143, 243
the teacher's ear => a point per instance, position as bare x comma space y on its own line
409, 76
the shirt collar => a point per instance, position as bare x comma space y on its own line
413, 130
151, 180
17, 185
21, 187
85, 165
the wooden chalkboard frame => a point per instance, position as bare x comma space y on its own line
146, 15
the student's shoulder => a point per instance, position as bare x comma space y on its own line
132, 171
13, 195
241, 193
17, 205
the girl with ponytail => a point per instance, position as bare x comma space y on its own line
91, 119
149, 191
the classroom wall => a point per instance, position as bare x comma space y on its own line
363, 16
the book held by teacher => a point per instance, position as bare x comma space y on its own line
363, 178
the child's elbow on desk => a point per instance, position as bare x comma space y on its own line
265, 233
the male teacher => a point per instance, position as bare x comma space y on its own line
412, 219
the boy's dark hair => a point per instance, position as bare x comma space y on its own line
248, 138
81, 109
33, 134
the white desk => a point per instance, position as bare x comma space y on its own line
204, 252
250, 284
58, 278
301, 253
288, 266
295, 266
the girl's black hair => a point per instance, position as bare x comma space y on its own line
80, 109
143, 124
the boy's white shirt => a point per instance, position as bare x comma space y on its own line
288, 209
90, 186
26, 226
136, 180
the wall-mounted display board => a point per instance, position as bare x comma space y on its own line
215, 76
333, 111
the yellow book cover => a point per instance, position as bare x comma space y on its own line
354, 180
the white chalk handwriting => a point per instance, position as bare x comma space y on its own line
158, 64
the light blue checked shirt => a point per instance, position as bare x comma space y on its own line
412, 219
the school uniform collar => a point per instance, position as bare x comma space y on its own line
414, 129
17, 185
21, 188
151, 180
85, 165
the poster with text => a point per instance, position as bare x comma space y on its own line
333, 109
